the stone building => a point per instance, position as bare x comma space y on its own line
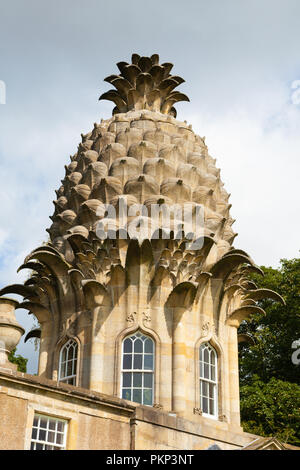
139, 292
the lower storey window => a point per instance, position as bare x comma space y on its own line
48, 433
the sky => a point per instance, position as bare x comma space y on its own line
241, 65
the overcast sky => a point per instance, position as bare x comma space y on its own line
240, 60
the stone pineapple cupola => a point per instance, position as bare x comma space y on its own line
186, 299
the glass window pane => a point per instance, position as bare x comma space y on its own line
127, 345
35, 421
137, 379
206, 371
51, 436
138, 361
127, 379
34, 433
138, 346
211, 407
148, 346
60, 426
43, 423
148, 362
147, 397
211, 390
127, 361
137, 395
52, 424
148, 380
212, 373
38, 446
59, 438
63, 370
205, 405
42, 435
70, 368
205, 355
126, 393
64, 355
204, 389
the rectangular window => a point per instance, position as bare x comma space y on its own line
48, 433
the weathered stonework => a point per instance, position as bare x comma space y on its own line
98, 291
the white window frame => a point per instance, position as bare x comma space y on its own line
143, 371
73, 377
45, 443
208, 379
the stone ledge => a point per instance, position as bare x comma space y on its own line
32, 381
215, 430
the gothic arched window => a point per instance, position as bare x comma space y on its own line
208, 374
137, 381
68, 362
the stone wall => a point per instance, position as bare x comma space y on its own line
99, 421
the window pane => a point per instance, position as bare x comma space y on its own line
211, 390
35, 421
52, 424
212, 373
211, 407
137, 379
204, 389
205, 355
138, 346
34, 433
148, 362
126, 393
205, 405
64, 355
42, 435
138, 361
63, 370
147, 398
43, 423
137, 395
60, 426
59, 438
70, 368
127, 361
51, 436
148, 380
127, 379
206, 371
127, 345
148, 346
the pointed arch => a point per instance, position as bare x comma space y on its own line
147, 332
137, 368
68, 360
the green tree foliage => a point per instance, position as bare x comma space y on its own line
272, 409
19, 360
270, 381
